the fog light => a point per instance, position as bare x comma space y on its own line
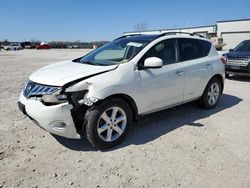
58, 125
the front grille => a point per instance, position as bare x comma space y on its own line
32, 89
239, 62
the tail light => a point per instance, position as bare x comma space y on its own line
223, 60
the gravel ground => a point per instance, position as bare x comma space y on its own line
181, 147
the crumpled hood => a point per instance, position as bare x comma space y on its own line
62, 73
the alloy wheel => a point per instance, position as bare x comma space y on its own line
112, 124
213, 93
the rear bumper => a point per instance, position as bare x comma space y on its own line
55, 119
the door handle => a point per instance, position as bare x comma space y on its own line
179, 73
208, 65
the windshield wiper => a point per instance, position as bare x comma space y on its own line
96, 64
88, 62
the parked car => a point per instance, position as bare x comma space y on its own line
100, 94
43, 46
73, 46
25, 45
13, 46
238, 59
33, 46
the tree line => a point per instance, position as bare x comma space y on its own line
59, 44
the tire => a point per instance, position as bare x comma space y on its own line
101, 129
227, 76
211, 94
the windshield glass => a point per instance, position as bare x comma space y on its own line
118, 51
243, 47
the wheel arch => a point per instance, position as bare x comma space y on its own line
129, 100
220, 78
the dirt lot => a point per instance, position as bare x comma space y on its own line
181, 147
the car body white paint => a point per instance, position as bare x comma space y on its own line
174, 84
59, 74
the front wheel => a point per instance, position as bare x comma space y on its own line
108, 123
211, 94
227, 76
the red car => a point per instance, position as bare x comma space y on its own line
43, 46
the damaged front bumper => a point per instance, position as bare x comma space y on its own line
56, 119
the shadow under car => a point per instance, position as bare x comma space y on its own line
153, 126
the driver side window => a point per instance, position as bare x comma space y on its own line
165, 50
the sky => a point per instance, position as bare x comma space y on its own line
94, 20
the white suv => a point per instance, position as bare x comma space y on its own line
100, 94
14, 46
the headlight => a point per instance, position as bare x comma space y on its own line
54, 98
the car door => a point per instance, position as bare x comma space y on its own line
193, 54
161, 87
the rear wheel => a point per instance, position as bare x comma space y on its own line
227, 75
211, 94
108, 123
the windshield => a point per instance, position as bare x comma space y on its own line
118, 51
14, 45
243, 47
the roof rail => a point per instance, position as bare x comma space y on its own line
178, 32
124, 36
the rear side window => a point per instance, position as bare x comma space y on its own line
193, 48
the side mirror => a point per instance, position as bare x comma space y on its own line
153, 63
231, 50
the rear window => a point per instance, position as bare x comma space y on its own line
193, 48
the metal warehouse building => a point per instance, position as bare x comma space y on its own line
231, 31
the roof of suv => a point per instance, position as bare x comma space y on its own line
140, 37
155, 36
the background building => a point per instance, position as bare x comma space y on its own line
231, 31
